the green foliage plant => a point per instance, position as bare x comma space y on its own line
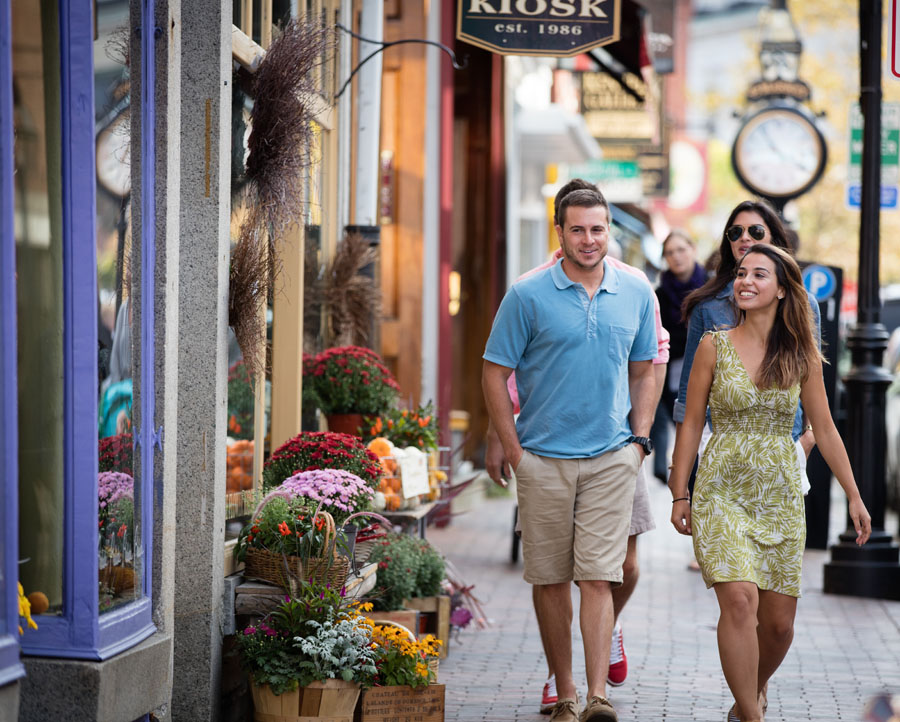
241, 402
407, 567
312, 637
284, 526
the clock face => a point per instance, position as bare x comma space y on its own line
779, 153
114, 157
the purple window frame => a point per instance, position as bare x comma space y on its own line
80, 632
11, 667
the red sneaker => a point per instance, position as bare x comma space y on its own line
618, 662
549, 697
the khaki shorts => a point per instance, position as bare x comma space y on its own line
641, 514
575, 515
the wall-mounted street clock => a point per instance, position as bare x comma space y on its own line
114, 156
779, 152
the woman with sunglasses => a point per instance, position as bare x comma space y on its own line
747, 515
712, 306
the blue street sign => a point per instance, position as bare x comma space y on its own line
888, 196
819, 281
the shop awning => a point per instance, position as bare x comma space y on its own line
554, 135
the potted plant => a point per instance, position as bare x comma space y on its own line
407, 567
310, 450
116, 453
115, 517
290, 540
404, 685
312, 651
342, 494
350, 381
402, 427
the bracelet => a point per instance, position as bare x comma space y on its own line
681, 498
808, 427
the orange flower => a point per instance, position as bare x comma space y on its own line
284, 529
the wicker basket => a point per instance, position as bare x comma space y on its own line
288, 572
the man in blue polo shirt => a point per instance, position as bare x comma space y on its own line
581, 337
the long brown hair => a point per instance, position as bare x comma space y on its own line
791, 347
728, 264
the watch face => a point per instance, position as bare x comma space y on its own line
779, 153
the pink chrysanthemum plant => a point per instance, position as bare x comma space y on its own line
336, 491
115, 512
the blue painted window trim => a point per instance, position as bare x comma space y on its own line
11, 668
81, 632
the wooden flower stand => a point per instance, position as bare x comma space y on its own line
333, 700
435, 618
401, 704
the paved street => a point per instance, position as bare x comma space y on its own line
845, 649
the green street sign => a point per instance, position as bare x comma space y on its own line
890, 156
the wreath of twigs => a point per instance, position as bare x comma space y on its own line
286, 92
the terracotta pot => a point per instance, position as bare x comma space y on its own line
345, 423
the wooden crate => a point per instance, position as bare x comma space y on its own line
401, 704
436, 613
408, 618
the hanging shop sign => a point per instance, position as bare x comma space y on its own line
613, 115
556, 28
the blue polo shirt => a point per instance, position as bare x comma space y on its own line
570, 354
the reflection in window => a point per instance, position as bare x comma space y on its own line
247, 399
39, 284
118, 483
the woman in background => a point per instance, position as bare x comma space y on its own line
684, 275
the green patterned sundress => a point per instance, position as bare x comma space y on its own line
747, 514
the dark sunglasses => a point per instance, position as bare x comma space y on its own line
757, 232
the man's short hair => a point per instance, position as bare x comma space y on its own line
576, 184
583, 199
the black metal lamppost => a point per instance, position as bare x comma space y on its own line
872, 570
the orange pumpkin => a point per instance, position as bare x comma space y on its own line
381, 447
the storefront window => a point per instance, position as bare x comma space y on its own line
77, 341
118, 483
39, 282
248, 395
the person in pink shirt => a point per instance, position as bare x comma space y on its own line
641, 517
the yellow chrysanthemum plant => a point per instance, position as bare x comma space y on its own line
25, 610
401, 659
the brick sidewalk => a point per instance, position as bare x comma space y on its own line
845, 649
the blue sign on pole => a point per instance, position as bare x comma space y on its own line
819, 281
888, 196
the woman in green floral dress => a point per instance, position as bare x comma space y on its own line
747, 518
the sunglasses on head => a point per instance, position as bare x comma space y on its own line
757, 232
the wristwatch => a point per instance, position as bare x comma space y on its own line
644, 441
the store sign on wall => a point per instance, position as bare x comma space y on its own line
558, 28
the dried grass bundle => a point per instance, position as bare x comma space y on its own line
251, 265
286, 91
352, 297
